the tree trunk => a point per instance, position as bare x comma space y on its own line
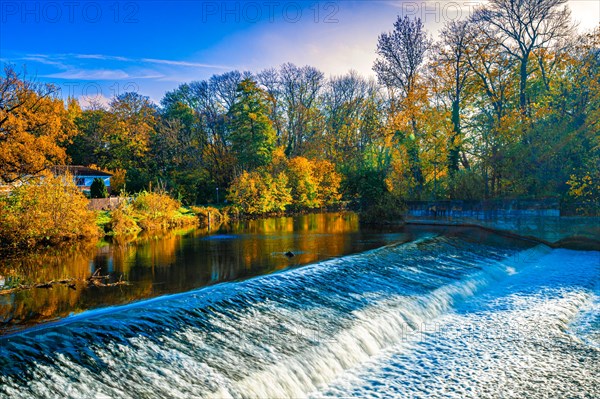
523, 86
454, 149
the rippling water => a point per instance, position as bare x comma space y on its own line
441, 316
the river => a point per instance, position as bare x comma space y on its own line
410, 312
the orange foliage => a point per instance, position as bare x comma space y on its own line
33, 124
47, 210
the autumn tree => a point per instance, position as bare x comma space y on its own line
351, 106
450, 74
127, 130
300, 88
522, 27
258, 192
89, 145
401, 54
35, 125
494, 122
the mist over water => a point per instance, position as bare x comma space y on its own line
443, 315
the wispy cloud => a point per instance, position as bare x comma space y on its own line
43, 60
184, 63
93, 74
100, 74
94, 101
102, 57
49, 60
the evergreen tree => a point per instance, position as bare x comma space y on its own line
252, 134
98, 189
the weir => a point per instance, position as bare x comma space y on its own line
296, 333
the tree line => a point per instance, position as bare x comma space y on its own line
503, 104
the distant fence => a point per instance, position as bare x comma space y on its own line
484, 209
105, 204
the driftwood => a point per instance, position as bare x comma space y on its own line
95, 280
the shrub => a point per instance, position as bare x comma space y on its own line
121, 222
45, 211
157, 210
584, 193
387, 208
466, 185
216, 216
149, 211
98, 188
303, 183
329, 182
258, 192
313, 183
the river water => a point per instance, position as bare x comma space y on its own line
398, 312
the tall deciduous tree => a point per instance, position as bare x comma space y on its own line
401, 54
127, 131
450, 74
523, 26
34, 126
300, 88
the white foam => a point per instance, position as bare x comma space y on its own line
511, 342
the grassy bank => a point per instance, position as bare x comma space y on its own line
146, 211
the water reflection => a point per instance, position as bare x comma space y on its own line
178, 261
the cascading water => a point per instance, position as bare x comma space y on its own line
392, 321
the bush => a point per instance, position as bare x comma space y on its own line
157, 210
121, 222
303, 183
584, 194
313, 183
45, 211
466, 185
98, 189
149, 211
329, 183
258, 192
387, 208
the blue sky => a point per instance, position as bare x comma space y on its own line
104, 48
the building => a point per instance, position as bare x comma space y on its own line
82, 175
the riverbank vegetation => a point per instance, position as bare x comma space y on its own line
501, 105
52, 210
146, 211
45, 212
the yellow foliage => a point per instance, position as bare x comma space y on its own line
46, 210
33, 122
329, 183
150, 211
259, 192
303, 183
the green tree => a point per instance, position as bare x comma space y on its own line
98, 189
252, 134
